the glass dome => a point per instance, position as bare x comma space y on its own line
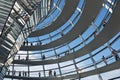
62, 40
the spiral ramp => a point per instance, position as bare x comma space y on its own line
59, 39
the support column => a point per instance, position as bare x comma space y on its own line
56, 56
109, 47
12, 71
92, 59
73, 61
43, 67
58, 62
28, 64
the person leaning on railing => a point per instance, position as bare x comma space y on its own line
115, 54
104, 60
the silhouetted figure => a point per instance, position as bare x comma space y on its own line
23, 14
31, 43
104, 60
40, 43
26, 17
24, 43
115, 54
67, 53
25, 73
50, 72
96, 33
43, 57
27, 42
19, 57
62, 34
14, 72
39, 74
58, 55
54, 73
26, 58
19, 73
8, 72
104, 23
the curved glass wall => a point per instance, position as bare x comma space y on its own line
54, 12
83, 63
45, 39
91, 60
69, 48
100, 20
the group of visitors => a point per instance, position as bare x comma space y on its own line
115, 55
50, 73
22, 14
24, 73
